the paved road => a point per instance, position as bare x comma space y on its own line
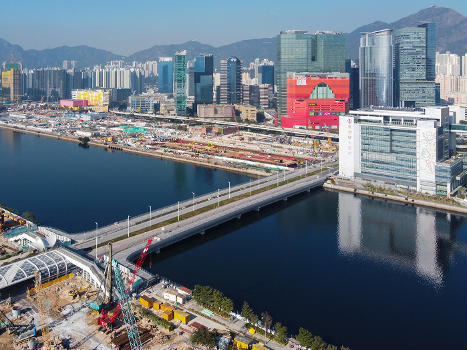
118, 229
126, 250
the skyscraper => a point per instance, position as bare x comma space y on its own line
165, 70
266, 74
293, 55
328, 52
414, 66
180, 82
231, 81
376, 73
203, 70
11, 81
299, 52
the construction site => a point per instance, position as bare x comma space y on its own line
76, 306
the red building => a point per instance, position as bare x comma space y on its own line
316, 100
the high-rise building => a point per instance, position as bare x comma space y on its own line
376, 71
180, 82
69, 64
352, 69
266, 74
294, 56
452, 84
230, 81
328, 52
165, 71
203, 80
316, 100
407, 148
190, 81
298, 52
11, 82
414, 66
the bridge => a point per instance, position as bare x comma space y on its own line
273, 190
255, 127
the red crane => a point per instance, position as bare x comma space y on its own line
106, 321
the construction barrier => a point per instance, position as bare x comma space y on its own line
51, 283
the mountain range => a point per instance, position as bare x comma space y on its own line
451, 35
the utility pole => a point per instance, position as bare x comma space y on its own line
150, 216
97, 225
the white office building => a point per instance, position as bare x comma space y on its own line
409, 149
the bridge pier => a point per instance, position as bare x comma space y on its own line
239, 216
257, 209
202, 233
285, 199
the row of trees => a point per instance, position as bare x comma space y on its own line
213, 299
315, 342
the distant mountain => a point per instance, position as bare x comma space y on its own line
85, 55
451, 30
451, 35
246, 50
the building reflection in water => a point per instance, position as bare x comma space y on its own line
413, 237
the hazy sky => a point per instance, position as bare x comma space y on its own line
124, 27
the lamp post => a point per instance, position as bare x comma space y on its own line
150, 216
193, 203
97, 226
250, 187
178, 211
217, 197
128, 226
229, 189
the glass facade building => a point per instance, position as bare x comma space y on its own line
328, 52
408, 149
266, 74
180, 82
414, 66
203, 80
376, 69
299, 52
165, 72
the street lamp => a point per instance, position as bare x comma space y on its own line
229, 189
150, 216
178, 211
193, 203
97, 226
128, 226
218, 197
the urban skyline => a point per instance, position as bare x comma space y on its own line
50, 15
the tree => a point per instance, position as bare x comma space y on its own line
227, 305
266, 318
217, 298
247, 312
281, 333
304, 337
203, 336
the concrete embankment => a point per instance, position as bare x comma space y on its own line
400, 199
156, 153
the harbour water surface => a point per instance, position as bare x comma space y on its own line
356, 271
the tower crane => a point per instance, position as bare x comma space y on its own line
107, 321
42, 311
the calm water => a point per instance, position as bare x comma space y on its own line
355, 271
69, 187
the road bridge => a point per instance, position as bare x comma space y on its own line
127, 250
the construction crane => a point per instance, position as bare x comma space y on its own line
106, 321
42, 311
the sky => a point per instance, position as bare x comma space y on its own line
124, 27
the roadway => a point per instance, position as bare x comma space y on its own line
256, 127
125, 251
87, 239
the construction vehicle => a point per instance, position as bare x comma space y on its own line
20, 332
77, 292
107, 321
